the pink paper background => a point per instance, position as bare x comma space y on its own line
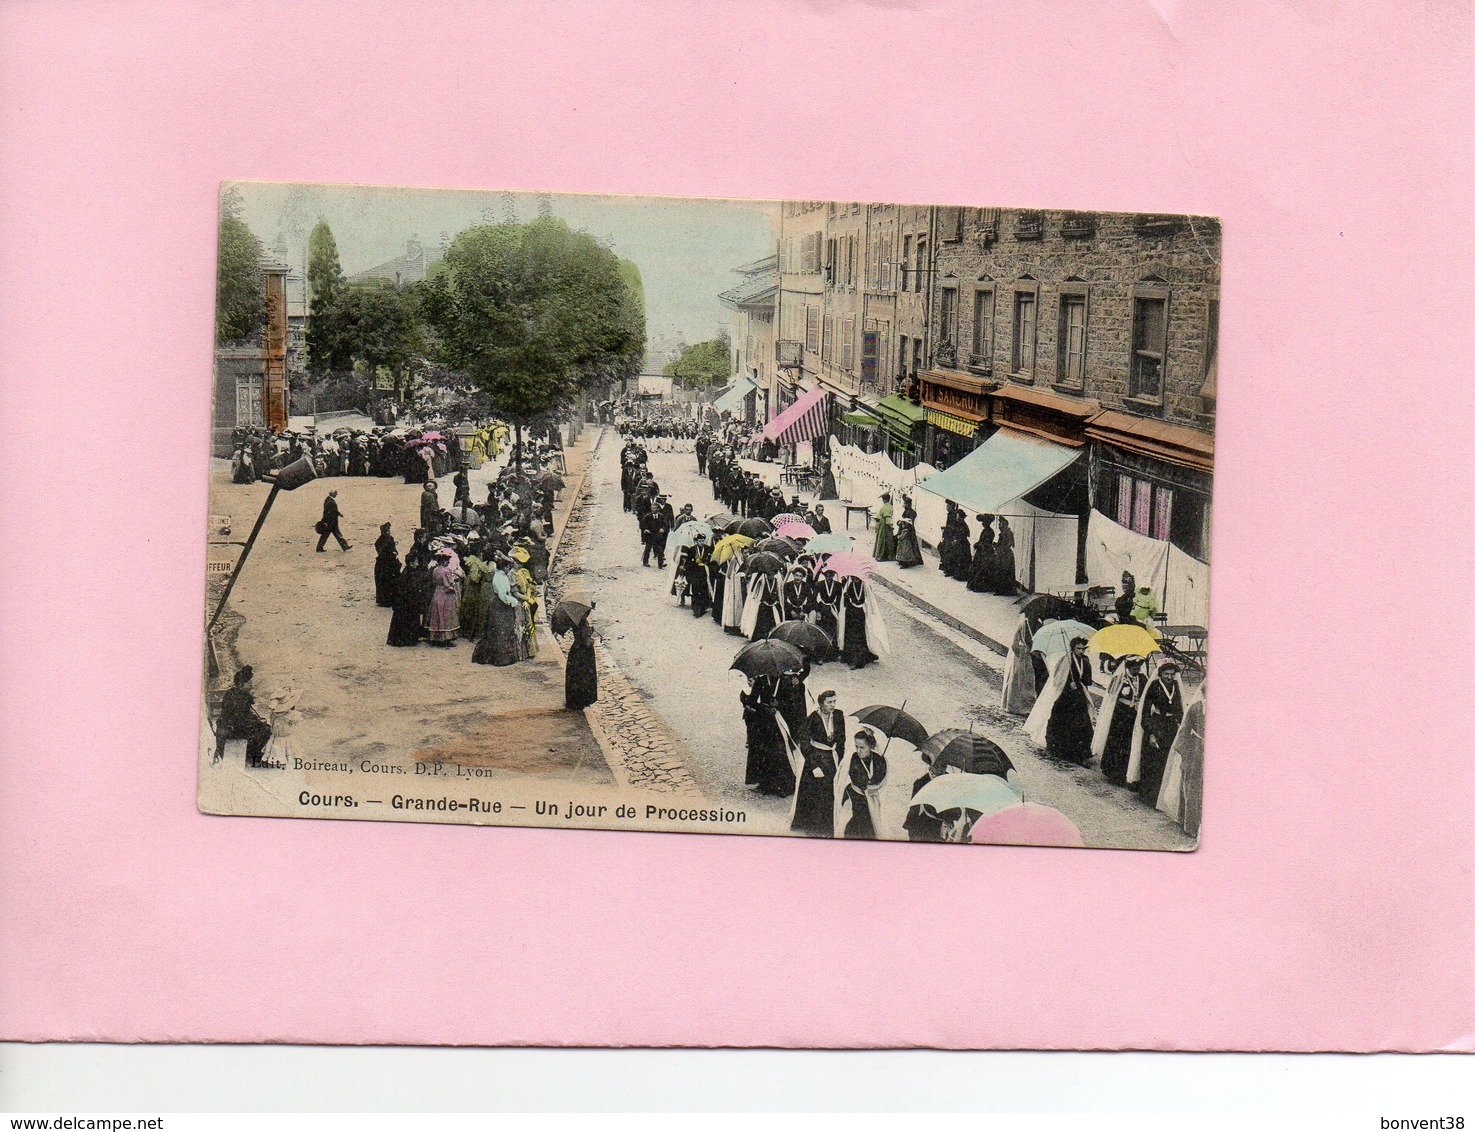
1329, 904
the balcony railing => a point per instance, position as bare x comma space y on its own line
1029, 226
788, 353
1078, 225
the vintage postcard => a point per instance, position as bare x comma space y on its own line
812, 518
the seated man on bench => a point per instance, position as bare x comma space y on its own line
238, 720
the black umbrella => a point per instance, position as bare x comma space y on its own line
733, 525
754, 527
768, 658
893, 723
569, 614
721, 520
1041, 606
763, 564
779, 546
968, 752
552, 479
811, 639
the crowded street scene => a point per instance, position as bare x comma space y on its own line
685, 587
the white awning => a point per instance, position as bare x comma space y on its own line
732, 400
1001, 469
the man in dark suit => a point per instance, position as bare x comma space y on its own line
328, 524
820, 522
655, 525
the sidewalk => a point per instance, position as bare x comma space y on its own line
988, 619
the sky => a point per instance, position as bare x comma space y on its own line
686, 248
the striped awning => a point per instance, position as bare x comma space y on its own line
939, 419
802, 421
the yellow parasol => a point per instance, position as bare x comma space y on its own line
1124, 640
729, 545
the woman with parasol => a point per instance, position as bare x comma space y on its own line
1060, 721
580, 669
527, 590
768, 770
867, 773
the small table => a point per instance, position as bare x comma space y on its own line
862, 508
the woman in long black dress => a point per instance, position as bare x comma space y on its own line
792, 700
411, 595
867, 773
1112, 743
1060, 721
386, 567
828, 594
697, 572
580, 672
981, 572
768, 769
855, 649
1162, 713
1003, 570
823, 747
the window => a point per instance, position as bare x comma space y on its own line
1022, 356
811, 329
1144, 507
886, 261
847, 344
906, 262
916, 356
948, 317
1149, 342
903, 352
850, 261
1071, 341
828, 346
920, 280
983, 326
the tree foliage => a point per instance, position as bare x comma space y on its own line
240, 284
705, 364
533, 313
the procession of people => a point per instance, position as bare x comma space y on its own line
763, 565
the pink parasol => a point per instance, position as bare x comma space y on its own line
794, 529
851, 564
1028, 823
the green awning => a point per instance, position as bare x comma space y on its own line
864, 419
900, 416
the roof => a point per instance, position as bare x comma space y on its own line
757, 291
1170, 442
408, 268
767, 263
1069, 406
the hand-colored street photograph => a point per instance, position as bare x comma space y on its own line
807, 518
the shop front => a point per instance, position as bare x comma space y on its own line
957, 415
903, 422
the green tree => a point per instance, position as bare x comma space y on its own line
705, 364
363, 329
533, 314
328, 333
240, 284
